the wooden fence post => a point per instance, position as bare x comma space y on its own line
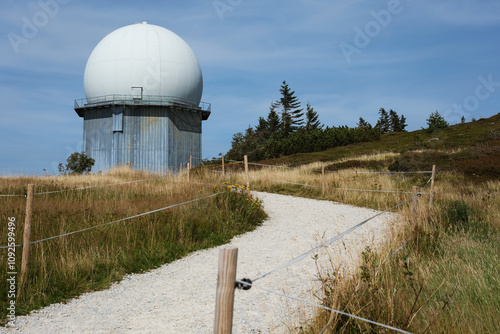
223, 168
414, 206
27, 231
224, 300
431, 198
246, 172
180, 172
323, 188
188, 168
190, 161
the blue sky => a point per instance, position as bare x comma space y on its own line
347, 58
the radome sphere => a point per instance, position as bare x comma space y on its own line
143, 58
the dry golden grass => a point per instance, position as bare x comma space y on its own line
446, 279
65, 267
380, 156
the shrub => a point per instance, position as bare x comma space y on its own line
77, 163
435, 122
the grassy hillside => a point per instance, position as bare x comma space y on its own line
446, 278
472, 149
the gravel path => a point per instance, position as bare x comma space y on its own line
180, 297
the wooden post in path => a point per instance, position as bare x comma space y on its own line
246, 173
224, 300
223, 168
323, 186
414, 206
431, 198
27, 232
188, 169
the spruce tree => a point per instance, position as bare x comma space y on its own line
273, 119
383, 123
402, 124
262, 129
436, 122
312, 118
393, 121
364, 124
396, 123
291, 112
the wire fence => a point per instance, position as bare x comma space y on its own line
297, 259
247, 283
116, 221
330, 241
88, 187
251, 283
328, 187
100, 186
340, 172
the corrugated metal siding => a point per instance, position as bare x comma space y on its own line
147, 130
184, 137
97, 137
155, 138
118, 120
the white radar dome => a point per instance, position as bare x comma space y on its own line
143, 59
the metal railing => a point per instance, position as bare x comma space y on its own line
138, 99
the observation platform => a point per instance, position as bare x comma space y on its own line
81, 105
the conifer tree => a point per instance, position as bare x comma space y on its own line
394, 121
291, 112
312, 118
383, 123
402, 124
364, 124
436, 122
262, 129
273, 120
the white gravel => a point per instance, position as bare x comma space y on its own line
180, 297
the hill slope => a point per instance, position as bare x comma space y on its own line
471, 148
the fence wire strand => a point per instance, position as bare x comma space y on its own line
99, 186
338, 172
323, 307
328, 242
117, 221
345, 189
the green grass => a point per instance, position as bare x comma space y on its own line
447, 279
479, 144
66, 267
